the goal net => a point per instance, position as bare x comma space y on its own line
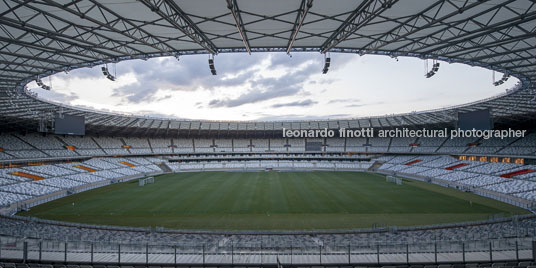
145, 181
393, 179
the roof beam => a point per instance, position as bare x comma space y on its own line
235, 11
18, 71
364, 13
488, 30
500, 54
173, 14
459, 24
84, 34
409, 25
64, 42
302, 12
23, 65
476, 47
64, 52
134, 32
508, 61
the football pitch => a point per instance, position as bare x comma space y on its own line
271, 201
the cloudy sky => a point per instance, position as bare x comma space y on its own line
271, 86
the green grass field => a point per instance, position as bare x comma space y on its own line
271, 201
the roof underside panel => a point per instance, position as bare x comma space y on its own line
43, 37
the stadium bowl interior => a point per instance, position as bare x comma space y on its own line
139, 191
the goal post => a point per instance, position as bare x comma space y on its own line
144, 181
393, 179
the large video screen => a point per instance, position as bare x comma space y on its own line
480, 120
70, 125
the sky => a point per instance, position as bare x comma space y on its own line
271, 87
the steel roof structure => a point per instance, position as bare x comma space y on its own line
41, 37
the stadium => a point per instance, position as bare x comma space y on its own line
447, 187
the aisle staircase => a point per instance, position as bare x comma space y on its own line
164, 167
375, 166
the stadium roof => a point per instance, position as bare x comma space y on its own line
40, 38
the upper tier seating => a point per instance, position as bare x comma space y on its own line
183, 145
223, 145
428, 145
259, 145
108, 142
490, 146
523, 146
31, 146
79, 142
42, 142
83, 145
242, 145
203, 146
161, 146
356, 144
10, 142
335, 145
278, 145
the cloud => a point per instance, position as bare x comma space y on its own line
254, 96
357, 105
191, 73
154, 114
303, 103
164, 98
281, 60
83, 73
342, 101
266, 88
56, 96
296, 117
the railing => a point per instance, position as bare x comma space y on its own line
229, 253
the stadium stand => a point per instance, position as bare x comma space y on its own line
83, 145
335, 145
401, 145
242, 145
428, 145
223, 145
203, 146
138, 145
142, 146
499, 229
183, 145
523, 146
490, 146
111, 146
161, 146
356, 145
42, 38
278, 145
260, 145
